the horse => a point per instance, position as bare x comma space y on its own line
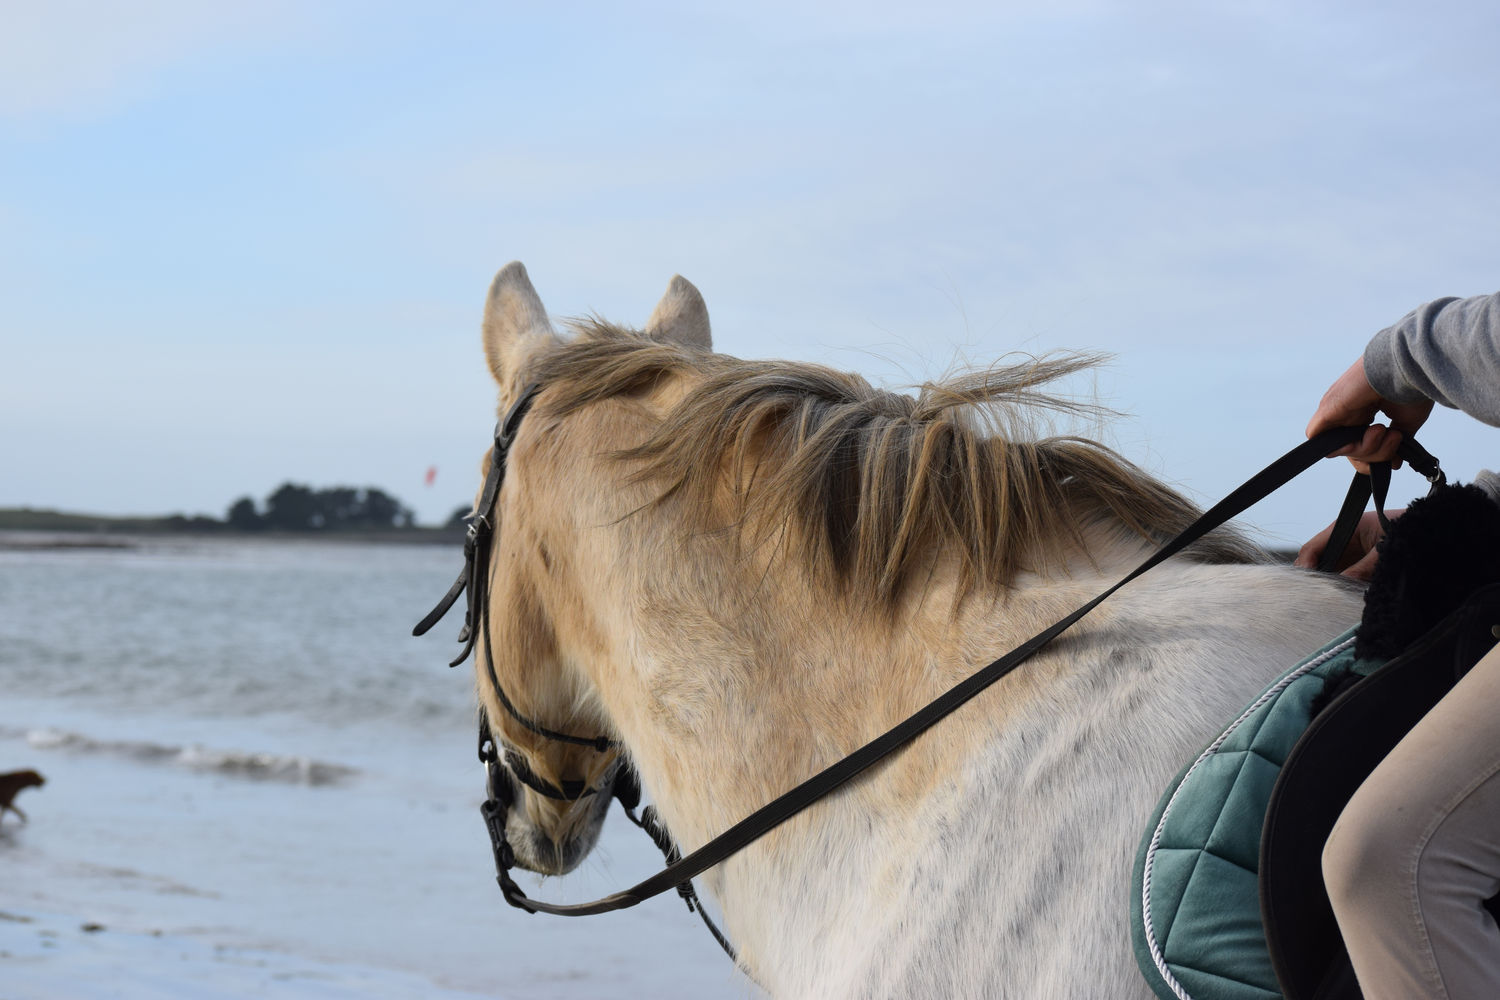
741, 570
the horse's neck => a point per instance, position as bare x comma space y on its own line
730, 710
734, 706
758, 689
732, 682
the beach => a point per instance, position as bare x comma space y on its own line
258, 784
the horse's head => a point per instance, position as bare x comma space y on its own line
546, 612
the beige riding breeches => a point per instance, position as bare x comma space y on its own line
1417, 850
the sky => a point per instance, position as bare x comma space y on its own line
242, 244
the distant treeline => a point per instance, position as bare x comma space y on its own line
338, 511
294, 507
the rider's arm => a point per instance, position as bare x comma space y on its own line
1447, 351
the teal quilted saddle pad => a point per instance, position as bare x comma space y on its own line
1195, 911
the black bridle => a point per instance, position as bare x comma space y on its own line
621, 779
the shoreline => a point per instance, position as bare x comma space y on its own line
28, 528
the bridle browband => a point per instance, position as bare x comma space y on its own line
681, 870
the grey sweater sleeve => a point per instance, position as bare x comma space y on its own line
1447, 351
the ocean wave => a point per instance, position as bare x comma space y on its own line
289, 768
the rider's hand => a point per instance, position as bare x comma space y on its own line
1353, 402
1358, 560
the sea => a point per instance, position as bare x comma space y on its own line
258, 783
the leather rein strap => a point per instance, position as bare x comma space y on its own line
1376, 483
790, 803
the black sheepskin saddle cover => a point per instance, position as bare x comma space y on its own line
1445, 547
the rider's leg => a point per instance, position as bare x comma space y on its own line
1417, 850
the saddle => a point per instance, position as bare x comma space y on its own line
1430, 612
1229, 901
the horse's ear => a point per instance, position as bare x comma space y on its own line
513, 316
681, 316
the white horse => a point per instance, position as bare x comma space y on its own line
743, 570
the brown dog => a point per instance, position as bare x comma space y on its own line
11, 784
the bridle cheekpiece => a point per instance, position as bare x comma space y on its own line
620, 779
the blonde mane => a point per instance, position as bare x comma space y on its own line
869, 486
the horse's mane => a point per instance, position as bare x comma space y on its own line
872, 484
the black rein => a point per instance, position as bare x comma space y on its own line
680, 870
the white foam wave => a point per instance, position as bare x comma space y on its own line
290, 768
